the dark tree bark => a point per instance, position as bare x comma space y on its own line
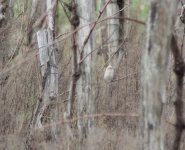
179, 72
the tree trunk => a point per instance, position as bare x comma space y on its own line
51, 7
179, 72
49, 72
70, 127
86, 82
115, 32
155, 61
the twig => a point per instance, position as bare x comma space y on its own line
112, 56
65, 11
5, 70
99, 16
99, 115
16, 48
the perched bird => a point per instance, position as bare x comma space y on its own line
109, 73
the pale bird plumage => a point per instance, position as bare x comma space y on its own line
109, 73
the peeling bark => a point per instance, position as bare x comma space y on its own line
49, 72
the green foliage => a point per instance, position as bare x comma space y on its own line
61, 15
142, 7
61, 18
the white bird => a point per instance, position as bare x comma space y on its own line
109, 73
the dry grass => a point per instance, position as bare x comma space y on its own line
19, 91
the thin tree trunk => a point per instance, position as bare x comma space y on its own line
49, 72
44, 61
71, 128
51, 7
154, 72
114, 34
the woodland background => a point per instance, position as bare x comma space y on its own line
116, 105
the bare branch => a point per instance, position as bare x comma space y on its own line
99, 16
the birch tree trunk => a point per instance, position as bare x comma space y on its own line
49, 72
51, 7
154, 72
115, 32
86, 82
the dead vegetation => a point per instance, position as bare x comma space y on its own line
20, 90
